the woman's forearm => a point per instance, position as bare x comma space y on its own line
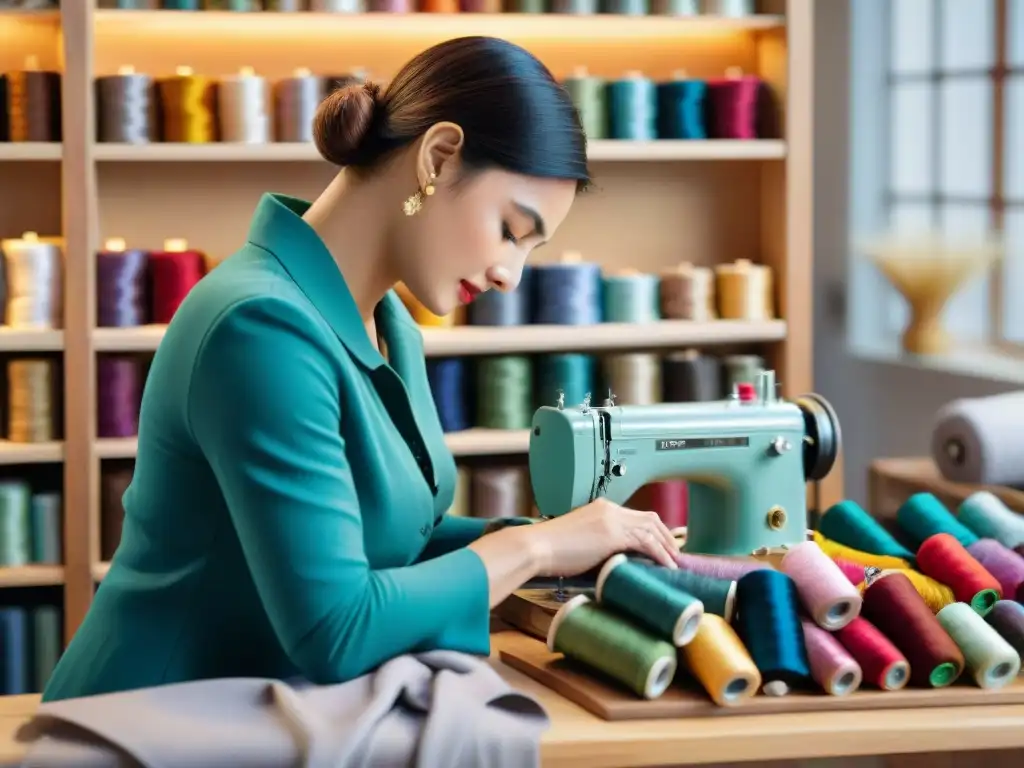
512, 557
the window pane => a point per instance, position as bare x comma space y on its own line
967, 138
968, 314
1013, 154
1013, 276
911, 167
910, 36
1015, 27
968, 34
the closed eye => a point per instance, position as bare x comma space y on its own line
506, 234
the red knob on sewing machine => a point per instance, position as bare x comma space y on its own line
746, 391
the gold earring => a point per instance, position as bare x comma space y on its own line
414, 203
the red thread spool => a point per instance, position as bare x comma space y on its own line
882, 663
669, 499
172, 274
733, 106
893, 605
944, 559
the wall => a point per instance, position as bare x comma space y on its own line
886, 408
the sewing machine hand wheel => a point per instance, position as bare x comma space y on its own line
823, 436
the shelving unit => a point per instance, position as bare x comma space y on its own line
656, 204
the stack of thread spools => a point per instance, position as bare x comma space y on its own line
32, 643
30, 104
33, 292
731, 8
854, 606
30, 525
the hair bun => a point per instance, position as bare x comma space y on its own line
344, 124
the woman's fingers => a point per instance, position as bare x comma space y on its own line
666, 536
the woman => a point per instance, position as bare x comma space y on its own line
287, 513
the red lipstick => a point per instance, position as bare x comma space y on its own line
467, 292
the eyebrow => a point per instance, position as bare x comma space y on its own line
538, 222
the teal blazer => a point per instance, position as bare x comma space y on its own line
287, 515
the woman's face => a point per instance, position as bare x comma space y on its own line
477, 235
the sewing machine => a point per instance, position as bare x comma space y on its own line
747, 460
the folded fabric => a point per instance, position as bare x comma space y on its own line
431, 710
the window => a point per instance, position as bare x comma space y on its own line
955, 150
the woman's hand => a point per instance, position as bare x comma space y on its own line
586, 537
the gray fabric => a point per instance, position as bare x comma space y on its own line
430, 710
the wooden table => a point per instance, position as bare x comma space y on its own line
577, 738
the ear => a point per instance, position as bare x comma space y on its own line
439, 151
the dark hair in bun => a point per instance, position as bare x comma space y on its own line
514, 114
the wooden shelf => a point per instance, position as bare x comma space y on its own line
597, 151
28, 340
31, 576
472, 442
31, 453
17, 151
486, 340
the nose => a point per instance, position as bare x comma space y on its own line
503, 279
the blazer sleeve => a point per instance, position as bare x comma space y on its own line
264, 409
455, 532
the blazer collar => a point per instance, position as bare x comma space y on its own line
278, 227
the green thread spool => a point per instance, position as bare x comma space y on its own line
718, 596
992, 662
631, 298
575, 376
848, 524
923, 515
634, 592
15, 523
589, 95
584, 632
526, 6
505, 399
46, 643
46, 528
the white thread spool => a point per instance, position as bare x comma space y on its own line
34, 273
243, 108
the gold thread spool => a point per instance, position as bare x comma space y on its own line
718, 659
420, 313
30, 416
188, 103
687, 292
745, 291
834, 549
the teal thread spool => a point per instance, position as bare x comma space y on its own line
589, 95
634, 592
46, 528
575, 376
505, 392
46, 643
992, 662
718, 596
848, 524
15, 523
631, 298
923, 515
987, 516
584, 632
633, 108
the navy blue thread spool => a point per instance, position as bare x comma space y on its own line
511, 308
633, 108
567, 293
768, 621
574, 375
682, 109
447, 377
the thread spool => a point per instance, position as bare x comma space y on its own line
691, 377
1004, 564
768, 621
447, 378
688, 293
682, 107
339, 6
669, 499
975, 440
742, 370
33, 268
568, 292
825, 592
114, 484
125, 108
500, 492
295, 101
632, 591
935, 594
584, 632
634, 378
572, 375
439, 6
832, 666
882, 663
675, 7
504, 308
717, 595
836, 550
46, 527
480, 6
284, 6
745, 291
504, 392
46, 643
991, 661
243, 108
589, 96
15, 630
1007, 618
188, 108
574, 7
391, 6
944, 559
236, 6
626, 7
986, 515
33, 104
729, 8
121, 286
631, 297
733, 104
15, 523
731, 568
180, 5
923, 515
120, 394
722, 665
30, 416
854, 572
173, 272
893, 605
632, 108
848, 524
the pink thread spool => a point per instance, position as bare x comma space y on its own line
853, 571
733, 103
1003, 563
825, 591
832, 666
719, 567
